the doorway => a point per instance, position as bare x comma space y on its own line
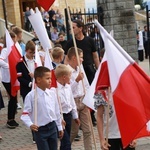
23, 4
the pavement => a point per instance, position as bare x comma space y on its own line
20, 138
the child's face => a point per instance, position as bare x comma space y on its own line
30, 54
66, 78
45, 81
80, 59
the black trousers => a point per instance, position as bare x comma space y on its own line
116, 144
12, 103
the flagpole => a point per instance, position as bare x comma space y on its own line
35, 106
77, 55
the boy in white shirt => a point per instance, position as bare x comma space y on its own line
48, 113
69, 110
78, 93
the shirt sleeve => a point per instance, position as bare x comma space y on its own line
3, 64
58, 115
74, 108
27, 111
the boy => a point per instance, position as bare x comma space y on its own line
63, 74
58, 56
26, 69
48, 114
78, 94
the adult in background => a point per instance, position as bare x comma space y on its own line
27, 22
90, 55
145, 42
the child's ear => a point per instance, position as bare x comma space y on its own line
38, 80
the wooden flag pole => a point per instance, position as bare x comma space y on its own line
107, 115
35, 106
75, 46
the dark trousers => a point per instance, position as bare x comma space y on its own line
12, 103
65, 141
46, 137
146, 49
116, 144
140, 55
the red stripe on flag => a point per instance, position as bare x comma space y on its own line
132, 102
46, 4
53, 80
14, 58
25, 113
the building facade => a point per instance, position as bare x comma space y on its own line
15, 8
119, 16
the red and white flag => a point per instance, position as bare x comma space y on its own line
46, 4
130, 89
48, 64
13, 58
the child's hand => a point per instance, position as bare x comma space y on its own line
77, 121
63, 124
132, 144
61, 133
105, 145
31, 75
34, 127
79, 77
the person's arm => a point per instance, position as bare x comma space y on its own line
3, 64
100, 128
96, 59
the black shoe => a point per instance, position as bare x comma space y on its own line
78, 137
16, 124
11, 124
94, 123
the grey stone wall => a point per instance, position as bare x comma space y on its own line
119, 16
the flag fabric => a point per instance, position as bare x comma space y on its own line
38, 25
130, 89
13, 58
48, 64
89, 96
46, 4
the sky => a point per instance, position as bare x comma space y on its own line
90, 4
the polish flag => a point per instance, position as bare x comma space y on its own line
46, 4
13, 58
130, 89
48, 64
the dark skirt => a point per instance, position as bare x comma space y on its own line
1, 101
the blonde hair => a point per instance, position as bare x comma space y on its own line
62, 70
57, 52
71, 52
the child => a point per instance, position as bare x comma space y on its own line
114, 137
63, 74
58, 56
48, 114
78, 94
26, 69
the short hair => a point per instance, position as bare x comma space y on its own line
12, 35
17, 30
71, 52
61, 33
79, 23
30, 45
62, 70
58, 45
40, 71
57, 52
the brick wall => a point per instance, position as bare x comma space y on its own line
119, 16
13, 11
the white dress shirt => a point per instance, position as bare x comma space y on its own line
30, 64
67, 100
5, 71
47, 108
77, 87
